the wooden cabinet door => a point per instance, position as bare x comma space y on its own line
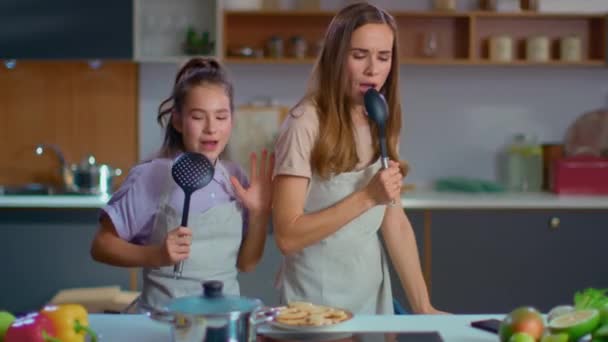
81, 109
104, 113
494, 261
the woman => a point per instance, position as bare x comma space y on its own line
330, 195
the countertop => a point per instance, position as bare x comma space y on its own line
452, 328
52, 201
509, 200
418, 199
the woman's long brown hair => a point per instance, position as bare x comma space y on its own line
335, 149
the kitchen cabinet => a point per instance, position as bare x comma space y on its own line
425, 38
421, 230
84, 108
47, 250
491, 261
66, 29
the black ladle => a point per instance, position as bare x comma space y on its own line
191, 171
377, 111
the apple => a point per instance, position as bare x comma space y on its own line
525, 320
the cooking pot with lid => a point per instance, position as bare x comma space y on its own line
213, 316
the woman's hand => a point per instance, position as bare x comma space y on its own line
257, 197
385, 186
176, 246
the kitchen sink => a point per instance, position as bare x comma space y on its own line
28, 189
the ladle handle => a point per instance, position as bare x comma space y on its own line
383, 152
179, 267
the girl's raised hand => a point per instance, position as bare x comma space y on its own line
257, 197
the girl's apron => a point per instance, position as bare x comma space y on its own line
216, 239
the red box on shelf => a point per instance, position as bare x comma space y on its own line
580, 175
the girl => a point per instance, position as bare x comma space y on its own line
228, 219
329, 194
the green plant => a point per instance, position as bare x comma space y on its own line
198, 44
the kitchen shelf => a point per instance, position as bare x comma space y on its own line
310, 60
253, 60
462, 37
588, 63
169, 59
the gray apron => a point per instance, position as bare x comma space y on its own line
348, 269
216, 239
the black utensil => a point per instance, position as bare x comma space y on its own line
191, 171
377, 111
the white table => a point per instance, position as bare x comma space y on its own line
456, 328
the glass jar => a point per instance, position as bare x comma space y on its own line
299, 47
275, 47
524, 164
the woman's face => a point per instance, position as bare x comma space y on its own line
369, 59
205, 121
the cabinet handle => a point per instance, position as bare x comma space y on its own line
554, 223
95, 64
10, 64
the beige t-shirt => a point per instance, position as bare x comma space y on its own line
297, 138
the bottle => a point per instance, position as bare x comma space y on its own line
524, 164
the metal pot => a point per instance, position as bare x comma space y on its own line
91, 178
213, 316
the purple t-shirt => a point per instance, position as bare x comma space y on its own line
133, 206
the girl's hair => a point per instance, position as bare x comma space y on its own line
196, 72
329, 90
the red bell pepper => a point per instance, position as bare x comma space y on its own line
34, 327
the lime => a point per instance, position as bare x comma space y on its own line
6, 319
576, 323
558, 311
521, 337
555, 338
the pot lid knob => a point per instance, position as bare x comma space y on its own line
213, 288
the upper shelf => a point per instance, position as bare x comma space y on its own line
425, 38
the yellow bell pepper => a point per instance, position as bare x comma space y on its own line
70, 321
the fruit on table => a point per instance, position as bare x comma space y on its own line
33, 327
576, 323
558, 311
522, 320
6, 318
70, 321
555, 338
521, 337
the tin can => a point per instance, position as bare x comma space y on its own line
571, 49
537, 49
501, 48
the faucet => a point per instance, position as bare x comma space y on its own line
65, 173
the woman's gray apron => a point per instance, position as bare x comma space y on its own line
347, 269
216, 239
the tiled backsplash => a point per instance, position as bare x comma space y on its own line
455, 118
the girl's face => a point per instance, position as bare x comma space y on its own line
369, 59
205, 121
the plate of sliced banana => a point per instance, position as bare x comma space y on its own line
306, 316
